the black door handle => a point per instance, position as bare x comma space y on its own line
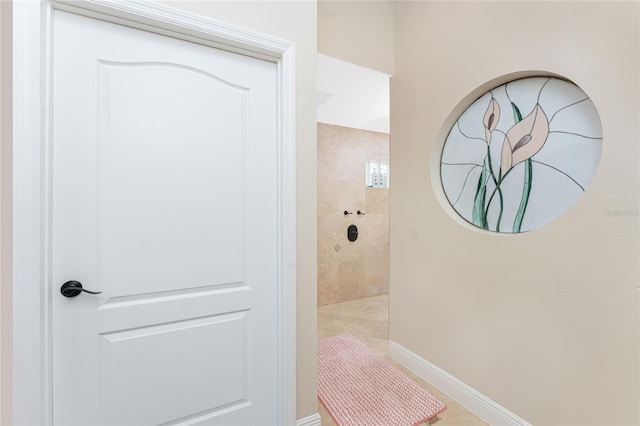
74, 288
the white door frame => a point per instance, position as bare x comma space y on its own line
31, 313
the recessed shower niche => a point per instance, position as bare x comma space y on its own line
521, 154
377, 174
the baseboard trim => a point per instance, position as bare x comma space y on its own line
312, 420
483, 407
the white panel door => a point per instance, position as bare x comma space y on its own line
164, 199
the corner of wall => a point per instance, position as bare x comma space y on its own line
359, 32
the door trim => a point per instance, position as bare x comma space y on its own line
31, 314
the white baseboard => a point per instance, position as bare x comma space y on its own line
483, 407
312, 420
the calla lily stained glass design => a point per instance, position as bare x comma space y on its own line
521, 154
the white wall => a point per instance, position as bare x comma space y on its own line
544, 323
352, 96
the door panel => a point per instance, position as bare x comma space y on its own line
147, 211
164, 198
194, 380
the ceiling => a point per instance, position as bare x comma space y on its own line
352, 96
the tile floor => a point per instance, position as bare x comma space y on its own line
367, 319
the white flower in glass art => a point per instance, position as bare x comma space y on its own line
491, 118
524, 139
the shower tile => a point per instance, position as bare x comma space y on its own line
361, 268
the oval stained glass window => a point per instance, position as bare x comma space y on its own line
521, 154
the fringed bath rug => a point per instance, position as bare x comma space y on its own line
360, 388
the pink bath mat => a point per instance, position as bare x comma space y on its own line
360, 388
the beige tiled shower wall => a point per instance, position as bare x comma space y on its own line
351, 270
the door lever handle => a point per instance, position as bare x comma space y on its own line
74, 288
